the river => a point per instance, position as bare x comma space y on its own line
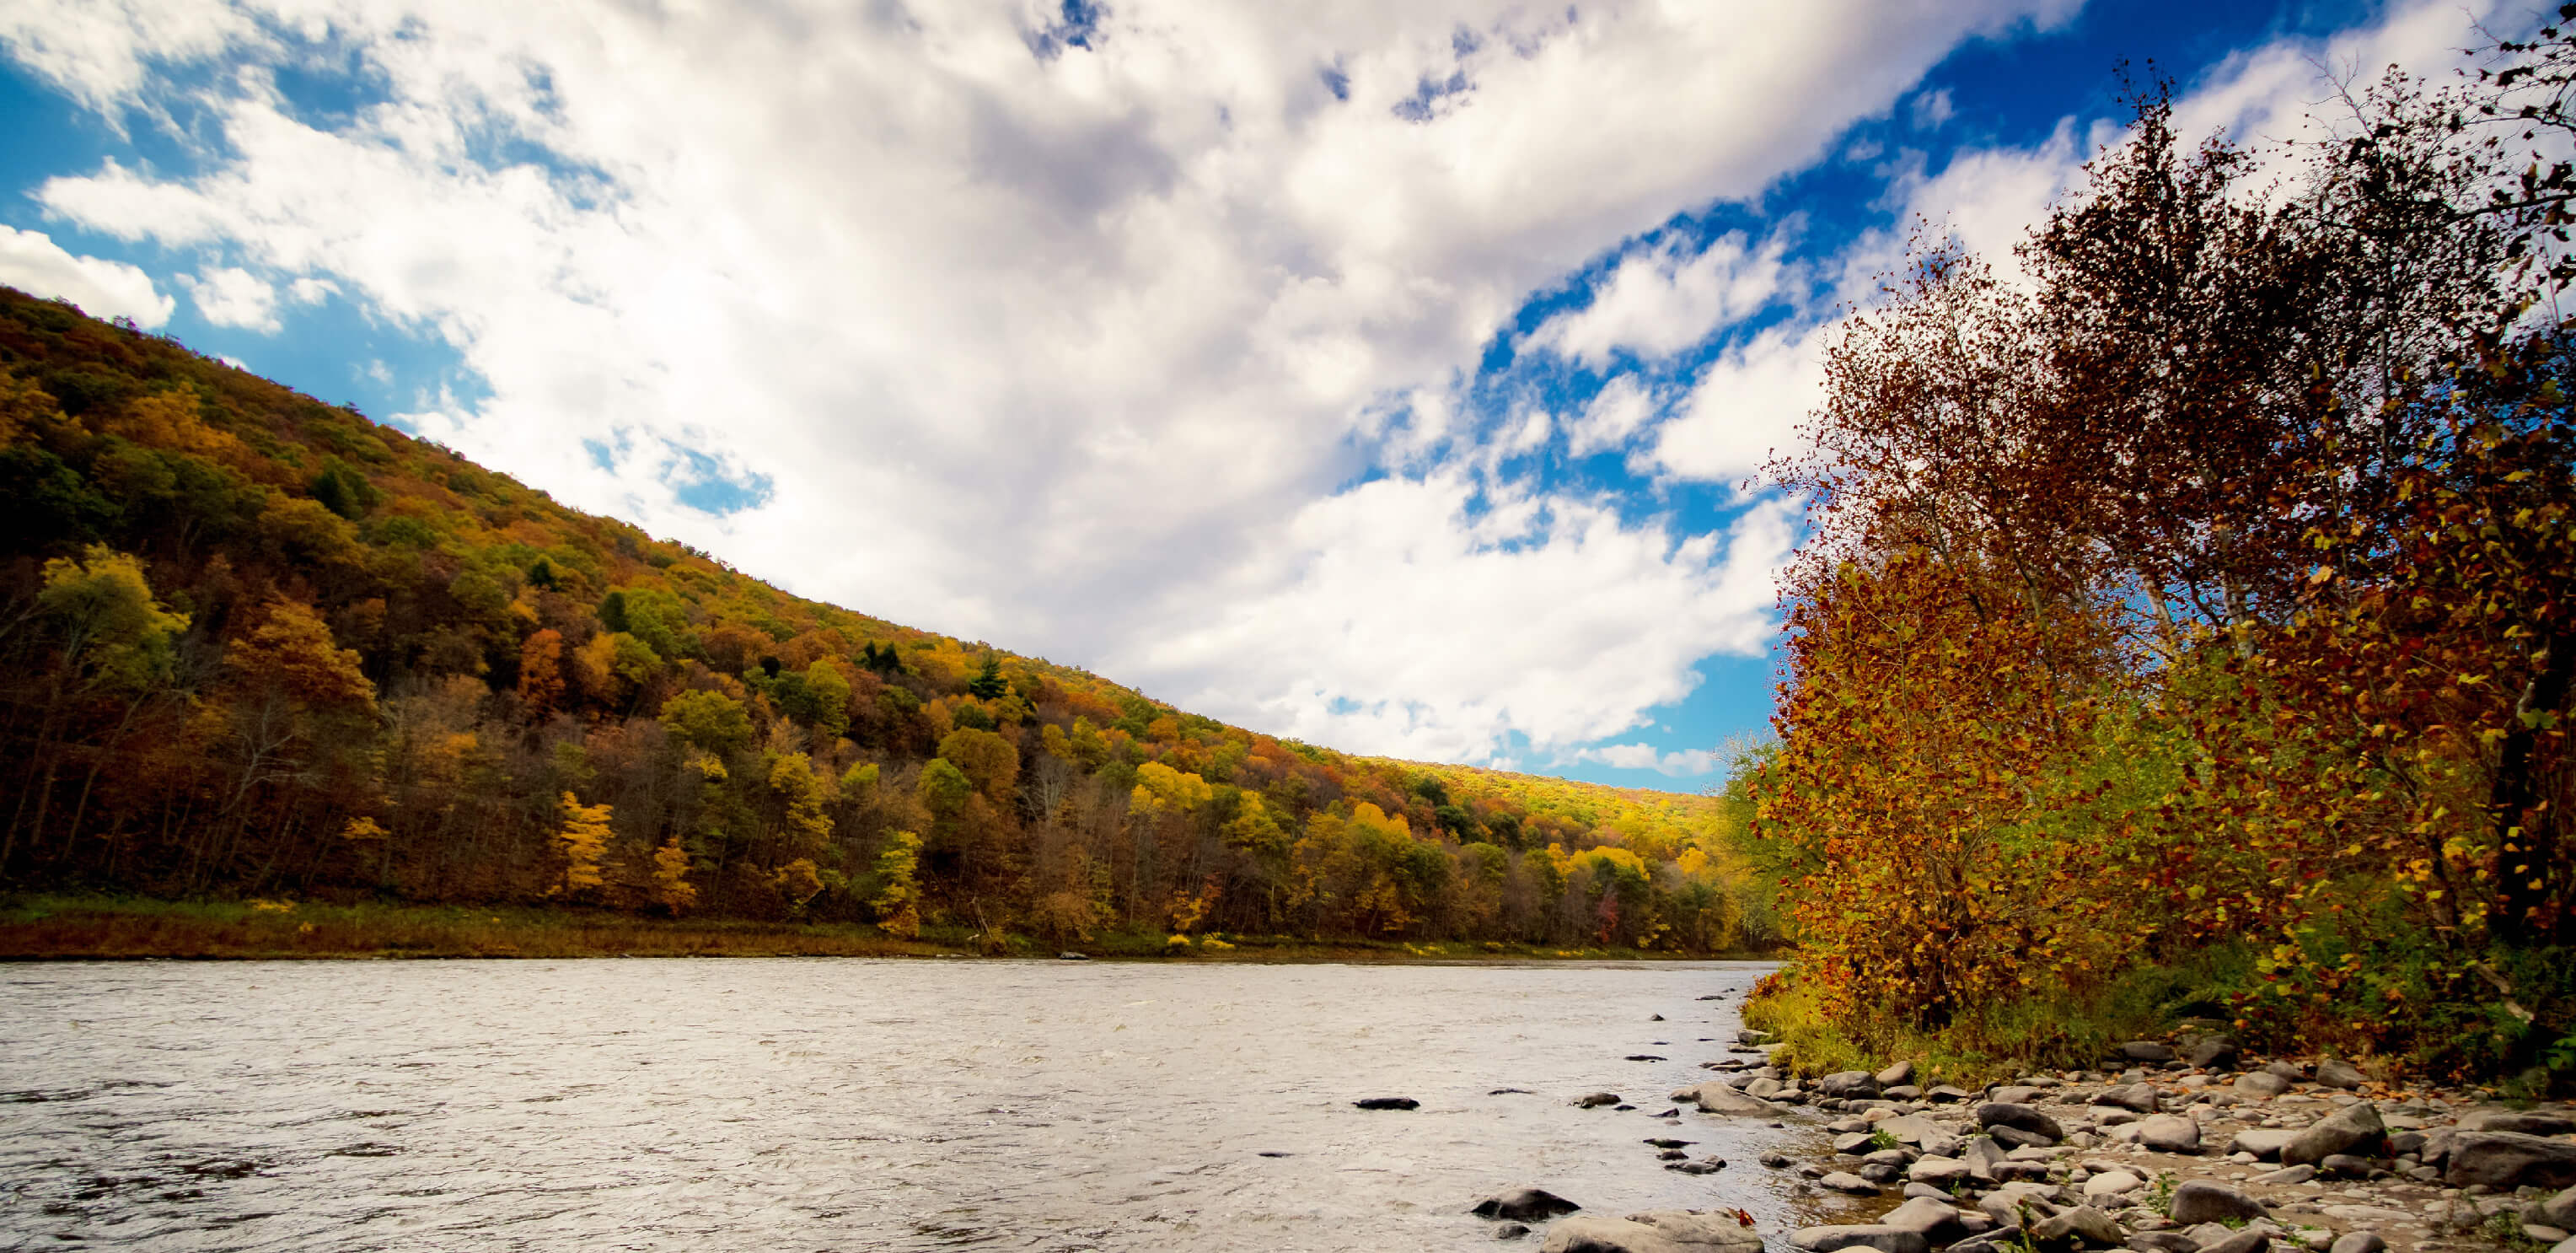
788, 1105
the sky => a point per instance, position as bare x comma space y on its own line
1392, 375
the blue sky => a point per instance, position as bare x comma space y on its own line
1384, 376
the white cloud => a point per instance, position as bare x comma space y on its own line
1664, 298
311, 291
1680, 763
1618, 411
1061, 337
33, 263
1746, 406
1749, 402
1553, 619
1931, 109
230, 296
101, 51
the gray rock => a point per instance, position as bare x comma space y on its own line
2083, 1224
1982, 1157
2567, 1245
1845, 1181
2359, 1242
2009, 1207
2018, 1138
2560, 1210
1776, 1161
2170, 1133
2337, 1073
1939, 1172
2286, 1175
1511, 1231
2263, 1142
1995, 1114
2110, 1184
1852, 1144
1912, 1190
1750, 1036
2161, 1242
1657, 1231
1763, 1089
1944, 1094
2144, 1051
1898, 1075
2135, 1097
2344, 1165
1878, 1236
1847, 1084
2353, 1129
2287, 1070
2239, 1242
2526, 1122
2201, 1201
1903, 1092
2215, 1052
2261, 1083
1695, 1230
1388, 1102
1912, 1129
1938, 1220
1881, 1172
1524, 1204
1596, 1100
2015, 1094
2510, 1159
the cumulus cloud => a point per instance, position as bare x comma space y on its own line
1617, 412
1666, 297
231, 296
33, 263
1748, 402
1556, 622
1679, 763
1746, 406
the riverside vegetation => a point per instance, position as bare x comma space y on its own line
345, 690
2185, 632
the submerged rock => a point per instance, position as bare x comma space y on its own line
1525, 1204
1388, 1102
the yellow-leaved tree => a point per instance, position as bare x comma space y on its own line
898, 899
584, 841
671, 884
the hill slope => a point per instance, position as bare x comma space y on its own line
256, 644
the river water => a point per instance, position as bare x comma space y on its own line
835, 1104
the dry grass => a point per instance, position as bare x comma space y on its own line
111, 929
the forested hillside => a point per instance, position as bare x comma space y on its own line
260, 645
2187, 632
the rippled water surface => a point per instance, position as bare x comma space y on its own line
842, 1104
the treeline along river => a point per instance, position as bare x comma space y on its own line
845, 1104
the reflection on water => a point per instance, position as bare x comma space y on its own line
844, 1104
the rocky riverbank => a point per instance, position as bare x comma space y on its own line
2168, 1148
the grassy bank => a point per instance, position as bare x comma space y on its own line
2405, 1020
68, 928
2011, 1037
